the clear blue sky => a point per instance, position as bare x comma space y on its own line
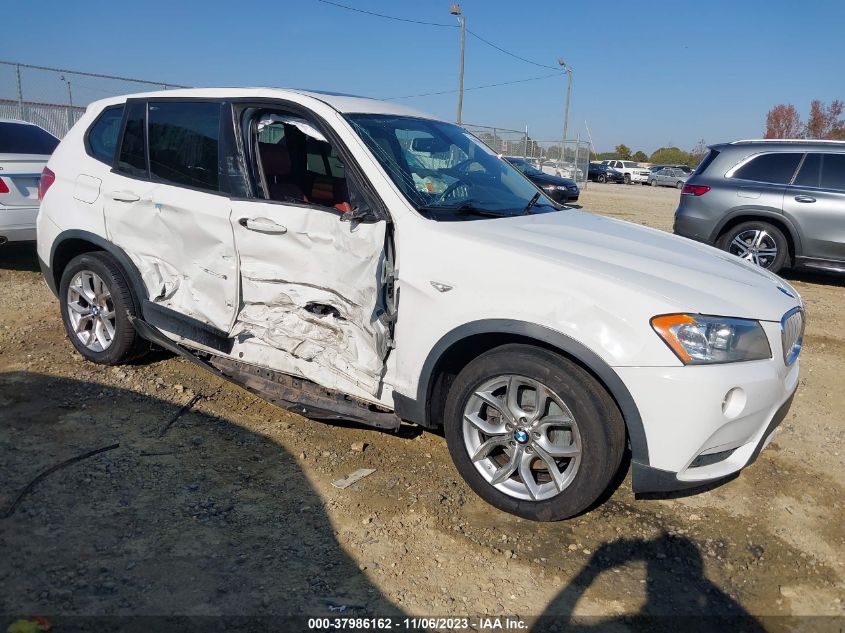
647, 73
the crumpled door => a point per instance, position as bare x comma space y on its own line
310, 291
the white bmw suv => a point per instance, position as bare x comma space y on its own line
352, 259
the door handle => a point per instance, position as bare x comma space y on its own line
804, 199
124, 196
262, 225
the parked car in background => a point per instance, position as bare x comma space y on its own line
631, 171
256, 233
684, 168
562, 169
668, 177
775, 203
24, 150
599, 172
560, 190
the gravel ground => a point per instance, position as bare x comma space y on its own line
229, 509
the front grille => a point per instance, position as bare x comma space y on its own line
792, 334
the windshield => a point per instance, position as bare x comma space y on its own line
444, 171
524, 166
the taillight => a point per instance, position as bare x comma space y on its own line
47, 179
694, 190
4, 188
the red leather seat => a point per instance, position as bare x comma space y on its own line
275, 160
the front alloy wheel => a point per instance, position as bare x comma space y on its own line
522, 437
532, 432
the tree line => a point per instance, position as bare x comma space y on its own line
824, 121
660, 156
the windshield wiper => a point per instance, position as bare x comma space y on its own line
531, 203
463, 209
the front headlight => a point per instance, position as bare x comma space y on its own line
698, 340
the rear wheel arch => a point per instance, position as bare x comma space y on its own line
463, 344
70, 244
792, 237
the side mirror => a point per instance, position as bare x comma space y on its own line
362, 213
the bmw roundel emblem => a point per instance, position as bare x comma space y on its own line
520, 436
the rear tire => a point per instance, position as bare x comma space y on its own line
757, 242
597, 431
96, 304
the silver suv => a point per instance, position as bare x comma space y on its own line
775, 203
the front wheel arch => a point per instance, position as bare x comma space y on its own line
461, 345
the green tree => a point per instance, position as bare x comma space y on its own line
623, 152
606, 156
670, 156
640, 157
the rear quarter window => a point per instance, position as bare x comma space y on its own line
103, 134
776, 168
22, 138
833, 172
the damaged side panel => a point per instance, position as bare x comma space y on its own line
182, 244
311, 295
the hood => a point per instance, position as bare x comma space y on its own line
689, 276
546, 179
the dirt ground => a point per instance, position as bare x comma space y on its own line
229, 509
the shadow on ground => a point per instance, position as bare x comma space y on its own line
207, 519
678, 594
19, 256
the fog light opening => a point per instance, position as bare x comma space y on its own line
733, 402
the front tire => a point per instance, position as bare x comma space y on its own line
679, 184
757, 242
543, 463
627, 179
96, 304
601, 179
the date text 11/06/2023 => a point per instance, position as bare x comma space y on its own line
510, 623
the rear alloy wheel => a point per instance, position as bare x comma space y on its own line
96, 305
533, 433
757, 242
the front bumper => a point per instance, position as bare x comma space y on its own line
639, 177
706, 422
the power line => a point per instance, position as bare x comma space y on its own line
388, 17
446, 92
439, 24
514, 55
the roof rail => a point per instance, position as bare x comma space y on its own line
809, 141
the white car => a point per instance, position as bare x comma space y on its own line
24, 150
630, 170
285, 241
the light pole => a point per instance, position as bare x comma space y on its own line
69, 94
455, 9
568, 69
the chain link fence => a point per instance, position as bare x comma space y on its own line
568, 159
55, 98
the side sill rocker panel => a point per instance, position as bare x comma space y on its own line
294, 394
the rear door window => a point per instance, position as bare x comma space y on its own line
133, 148
810, 171
833, 172
22, 138
184, 142
103, 135
777, 168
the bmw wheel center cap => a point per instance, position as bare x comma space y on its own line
520, 436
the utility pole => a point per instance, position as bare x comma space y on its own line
455, 9
69, 94
568, 70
